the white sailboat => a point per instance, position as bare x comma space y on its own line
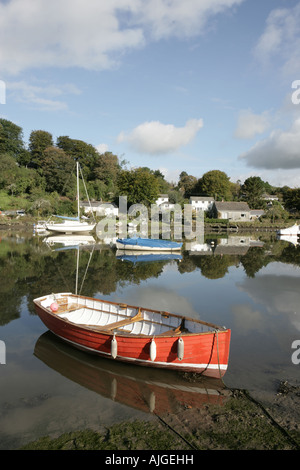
72, 224
293, 230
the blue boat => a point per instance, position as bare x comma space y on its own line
147, 244
140, 257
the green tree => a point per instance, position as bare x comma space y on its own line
8, 170
291, 199
252, 190
79, 150
164, 186
107, 168
39, 141
17, 180
11, 139
276, 212
215, 183
187, 184
139, 185
58, 171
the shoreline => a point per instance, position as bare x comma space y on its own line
240, 423
27, 224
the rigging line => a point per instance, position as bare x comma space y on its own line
221, 378
91, 254
170, 427
87, 193
61, 274
211, 353
274, 422
68, 179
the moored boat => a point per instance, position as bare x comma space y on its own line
40, 228
72, 224
147, 244
136, 335
293, 230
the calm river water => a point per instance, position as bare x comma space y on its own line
249, 284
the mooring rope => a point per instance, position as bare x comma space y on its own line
174, 430
274, 422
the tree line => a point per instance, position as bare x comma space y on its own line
43, 171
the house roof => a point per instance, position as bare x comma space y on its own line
201, 198
96, 204
232, 206
257, 211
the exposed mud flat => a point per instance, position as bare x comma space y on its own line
240, 422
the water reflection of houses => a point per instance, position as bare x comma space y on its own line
224, 246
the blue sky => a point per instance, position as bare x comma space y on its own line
192, 85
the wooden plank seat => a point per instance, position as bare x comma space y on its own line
126, 321
175, 331
66, 308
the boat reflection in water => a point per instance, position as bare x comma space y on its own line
150, 391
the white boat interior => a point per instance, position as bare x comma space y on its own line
121, 318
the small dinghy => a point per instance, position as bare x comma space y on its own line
136, 335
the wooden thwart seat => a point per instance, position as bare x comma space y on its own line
175, 331
127, 321
67, 308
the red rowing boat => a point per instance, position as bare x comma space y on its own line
136, 335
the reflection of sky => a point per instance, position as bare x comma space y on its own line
260, 311
276, 288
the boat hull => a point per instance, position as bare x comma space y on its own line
294, 230
142, 244
65, 228
206, 353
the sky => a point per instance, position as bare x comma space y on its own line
193, 85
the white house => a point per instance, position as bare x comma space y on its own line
202, 203
163, 202
162, 199
270, 197
100, 208
236, 211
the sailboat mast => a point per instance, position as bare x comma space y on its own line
78, 210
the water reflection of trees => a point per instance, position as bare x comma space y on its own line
30, 269
252, 260
211, 267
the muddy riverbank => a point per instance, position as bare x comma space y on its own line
239, 422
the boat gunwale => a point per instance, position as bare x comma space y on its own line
101, 329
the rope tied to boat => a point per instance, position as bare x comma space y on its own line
218, 355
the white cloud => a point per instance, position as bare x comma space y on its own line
157, 138
250, 124
281, 39
42, 96
279, 150
63, 33
93, 34
102, 148
165, 18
